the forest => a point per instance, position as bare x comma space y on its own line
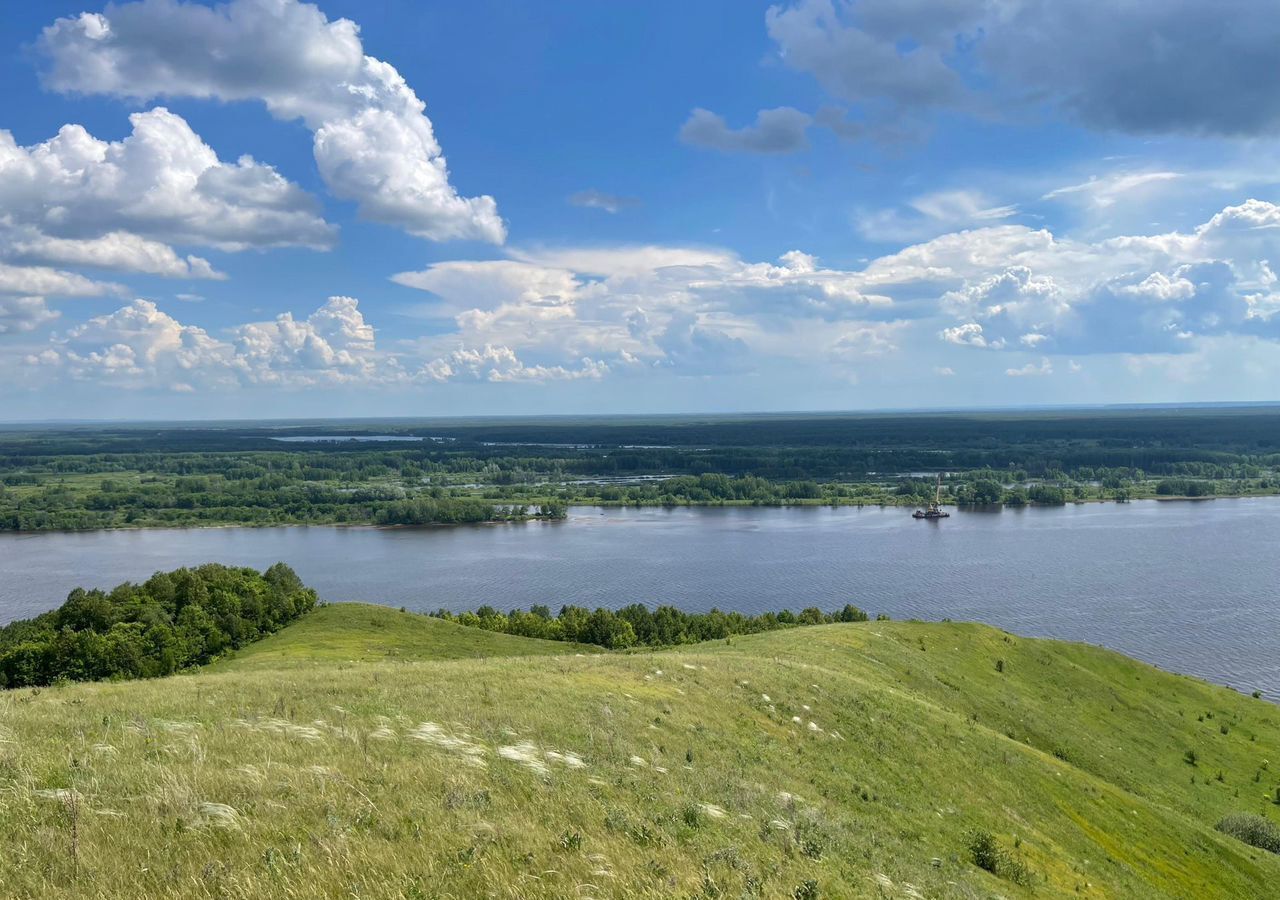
172, 621
449, 472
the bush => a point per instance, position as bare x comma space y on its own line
987, 854
1256, 831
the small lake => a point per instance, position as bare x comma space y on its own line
1192, 587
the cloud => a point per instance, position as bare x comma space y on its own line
1002, 288
593, 199
857, 342
692, 346
859, 63
118, 250
80, 200
501, 364
334, 344
932, 214
19, 314
136, 346
582, 313
780, 130
690, 310
141, 346
967, 335
1032, 370
51, 282
373, 143
1107, 190
1170, 67
1133, 293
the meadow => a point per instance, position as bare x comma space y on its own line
366, 752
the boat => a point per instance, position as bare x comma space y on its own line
934, 510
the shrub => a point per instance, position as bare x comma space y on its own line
984, 851
1256, 831
987, 854
1190, 757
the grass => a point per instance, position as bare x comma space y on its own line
850, 760
340, 633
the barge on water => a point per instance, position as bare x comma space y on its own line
934, 510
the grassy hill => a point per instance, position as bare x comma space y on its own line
373, 754
360, 632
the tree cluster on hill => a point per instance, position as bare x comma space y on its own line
169, 622
637, 625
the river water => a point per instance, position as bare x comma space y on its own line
1193, 587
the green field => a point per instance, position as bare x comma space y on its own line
358, 632
369, 753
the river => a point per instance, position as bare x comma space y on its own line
1193, 587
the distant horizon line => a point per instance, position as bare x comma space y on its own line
900, 410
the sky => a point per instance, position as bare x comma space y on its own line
267, 208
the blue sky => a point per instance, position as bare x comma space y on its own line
243, 209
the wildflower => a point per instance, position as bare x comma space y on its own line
637, 762
766, 698
715, 812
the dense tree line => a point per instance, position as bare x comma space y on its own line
637, 625
119, 476
1185, 487
169, 622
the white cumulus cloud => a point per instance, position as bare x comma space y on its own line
373, 142
77, 199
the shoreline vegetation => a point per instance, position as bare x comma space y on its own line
104, 477
171, 622
191, 617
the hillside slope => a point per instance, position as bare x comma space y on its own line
362, 632
835, 761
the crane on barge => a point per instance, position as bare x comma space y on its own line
934, 510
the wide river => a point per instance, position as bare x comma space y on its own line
1193, 587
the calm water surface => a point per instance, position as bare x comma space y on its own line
1191, 587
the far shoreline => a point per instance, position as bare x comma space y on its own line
732, 504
